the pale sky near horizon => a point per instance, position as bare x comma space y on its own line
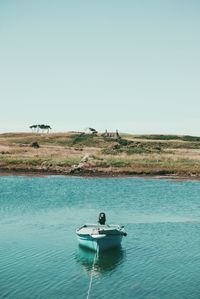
108, 64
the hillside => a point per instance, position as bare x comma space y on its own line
88, 154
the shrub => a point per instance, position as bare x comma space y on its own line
123, 142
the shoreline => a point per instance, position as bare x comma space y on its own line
45, 173
97, 156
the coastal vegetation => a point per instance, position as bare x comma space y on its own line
37, 128
100, 154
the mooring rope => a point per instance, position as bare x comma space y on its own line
91, 275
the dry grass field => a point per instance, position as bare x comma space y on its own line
88, 154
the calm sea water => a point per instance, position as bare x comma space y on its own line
40, 257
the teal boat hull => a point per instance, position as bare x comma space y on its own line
99, 244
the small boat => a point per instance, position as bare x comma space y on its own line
101, 236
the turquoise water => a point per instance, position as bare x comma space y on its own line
40, 257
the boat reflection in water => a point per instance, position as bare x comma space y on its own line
104, 261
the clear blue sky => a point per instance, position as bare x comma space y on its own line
109, 64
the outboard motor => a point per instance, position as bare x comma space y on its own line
102, 218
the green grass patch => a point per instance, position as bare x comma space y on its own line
37, 161
170, 137
119, 163
132, 150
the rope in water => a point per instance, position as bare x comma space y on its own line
91, 275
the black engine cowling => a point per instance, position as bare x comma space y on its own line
102, 218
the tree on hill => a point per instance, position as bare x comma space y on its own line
45, 127
93, 131
48, 128
40, 127
33, 128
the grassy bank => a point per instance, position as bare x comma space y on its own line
79, 153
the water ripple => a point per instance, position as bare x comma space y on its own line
40, 258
